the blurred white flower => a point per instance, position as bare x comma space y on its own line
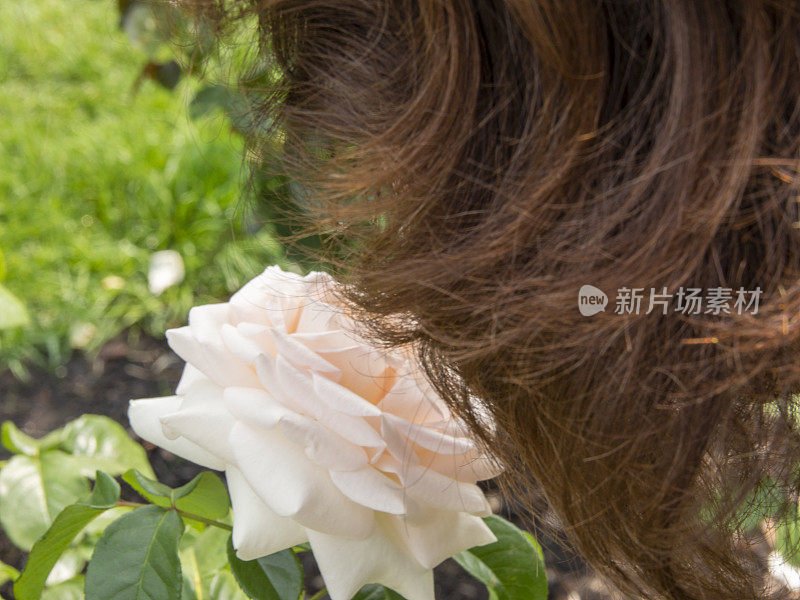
782, 571
166, 269
113, 282
81, 334
322, 437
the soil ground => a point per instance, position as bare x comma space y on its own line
130, 367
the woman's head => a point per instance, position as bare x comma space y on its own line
491, 157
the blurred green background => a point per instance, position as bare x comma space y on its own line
102, 165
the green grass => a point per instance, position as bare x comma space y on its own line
94, 178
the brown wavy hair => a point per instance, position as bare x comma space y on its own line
490, 157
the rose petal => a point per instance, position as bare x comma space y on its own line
323, 446
470, 467
355, 430
442, 534
326, 341
202, 419
364, 371
436, 490
370, 488
267, 371
341, 399
206, 321
439, 491
296, 389
408, 401
397, 445
347, 565
257, 530
316, 315
251, 304
300, 355
293, 486
259, 335
144, 417
273, 297
258, 409
184, 344
214, 360
189, 376
429, 438
254, 407
242, 347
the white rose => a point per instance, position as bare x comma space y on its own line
322, 437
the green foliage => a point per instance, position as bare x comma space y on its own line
33, 490
512, 568
68, 590
16, 441
224, 587
145, 551
65, 528
102, 443
766, 501
374, 591
137, 558
204, 496
12, 310
48, 475
98, 173
788, 541
7, 573
205, 566
278, 576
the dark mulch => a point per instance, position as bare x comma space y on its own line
143, 367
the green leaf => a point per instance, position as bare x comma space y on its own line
278, 576
788, 541
210, 98
70, 564
67, 525
33, 490
52, 440
207, 498
374, 591
168, 74
16, 441
224, 587
512, 568
103, 444
192, 586
12, 310
105, 493
97, 526
765, 501
150, 489
204, 496
68, 590
7, 573
137, 558
203, 556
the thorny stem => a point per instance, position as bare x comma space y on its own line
182, 513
